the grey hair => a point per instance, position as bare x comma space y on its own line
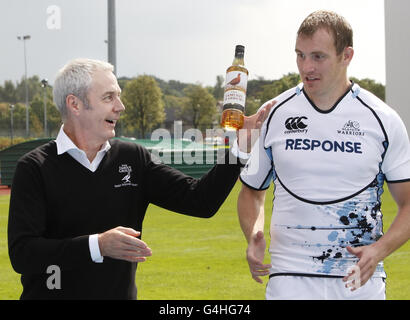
75, 78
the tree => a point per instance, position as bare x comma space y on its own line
199, 110
272, 90
151, 102
252, 105
37, 111
144, 108
254, 86
8, 93
218, 89
34, 87
4, 118
173, 109
19, 116
376, 88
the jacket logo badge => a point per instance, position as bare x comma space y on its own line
126, 180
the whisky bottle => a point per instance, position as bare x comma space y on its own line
235, 92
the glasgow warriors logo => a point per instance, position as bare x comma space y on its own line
351, 128
296, 125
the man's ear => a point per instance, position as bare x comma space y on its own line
73, 104
348, 54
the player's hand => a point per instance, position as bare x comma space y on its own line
251, 128
255, 255
364, 269
122, 243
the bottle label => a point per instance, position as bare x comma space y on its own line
235, 88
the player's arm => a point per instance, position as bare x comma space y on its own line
397, 235
399, 231
251, 218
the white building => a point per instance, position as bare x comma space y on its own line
397, 17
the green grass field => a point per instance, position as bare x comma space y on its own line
202, 259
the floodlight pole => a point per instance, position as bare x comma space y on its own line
112, 56
24, 38
11, 123
44, 84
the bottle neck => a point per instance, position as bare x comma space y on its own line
238, 61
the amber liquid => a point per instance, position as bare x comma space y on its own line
232, 119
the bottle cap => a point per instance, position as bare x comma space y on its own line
239, 50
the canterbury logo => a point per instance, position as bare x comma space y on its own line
295, 123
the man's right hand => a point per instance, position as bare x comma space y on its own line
255, 255
122, 243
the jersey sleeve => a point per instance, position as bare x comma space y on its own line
396, 163
259, 171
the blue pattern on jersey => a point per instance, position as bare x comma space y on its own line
272, 172
363, 223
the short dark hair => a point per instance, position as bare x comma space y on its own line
334, 23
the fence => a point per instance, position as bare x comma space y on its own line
189, 157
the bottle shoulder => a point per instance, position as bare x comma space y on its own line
237, 68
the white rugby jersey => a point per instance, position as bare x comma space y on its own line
328, 170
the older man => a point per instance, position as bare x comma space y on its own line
72, 210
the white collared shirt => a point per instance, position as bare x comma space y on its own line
237, 152
65, 144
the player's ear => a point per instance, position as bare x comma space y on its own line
348, 54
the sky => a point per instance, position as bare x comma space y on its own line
190, 41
